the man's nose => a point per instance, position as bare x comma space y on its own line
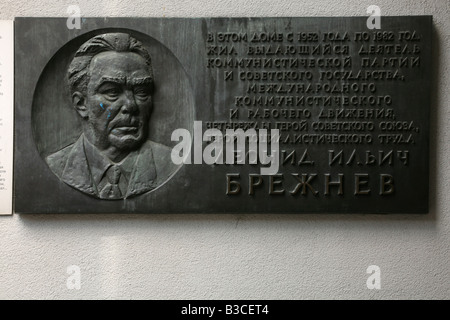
129, 103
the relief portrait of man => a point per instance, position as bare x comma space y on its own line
111, 86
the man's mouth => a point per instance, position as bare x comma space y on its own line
126, 129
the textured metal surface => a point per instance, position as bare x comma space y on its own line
351, 104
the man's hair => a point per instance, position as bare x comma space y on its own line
78, 72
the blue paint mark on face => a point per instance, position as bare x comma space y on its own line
109, 112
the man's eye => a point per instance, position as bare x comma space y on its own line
142, 93
112, 93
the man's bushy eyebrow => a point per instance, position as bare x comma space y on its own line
144, 80
117, 80
123, 80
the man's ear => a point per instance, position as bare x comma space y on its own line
79, 103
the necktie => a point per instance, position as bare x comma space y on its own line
111, 190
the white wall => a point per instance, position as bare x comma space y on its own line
240, 256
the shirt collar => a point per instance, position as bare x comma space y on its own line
99, 163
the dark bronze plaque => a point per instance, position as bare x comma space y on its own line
224, 115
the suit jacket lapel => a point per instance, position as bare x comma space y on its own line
76, 172
143, 176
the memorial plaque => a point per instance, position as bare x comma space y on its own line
222, 115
